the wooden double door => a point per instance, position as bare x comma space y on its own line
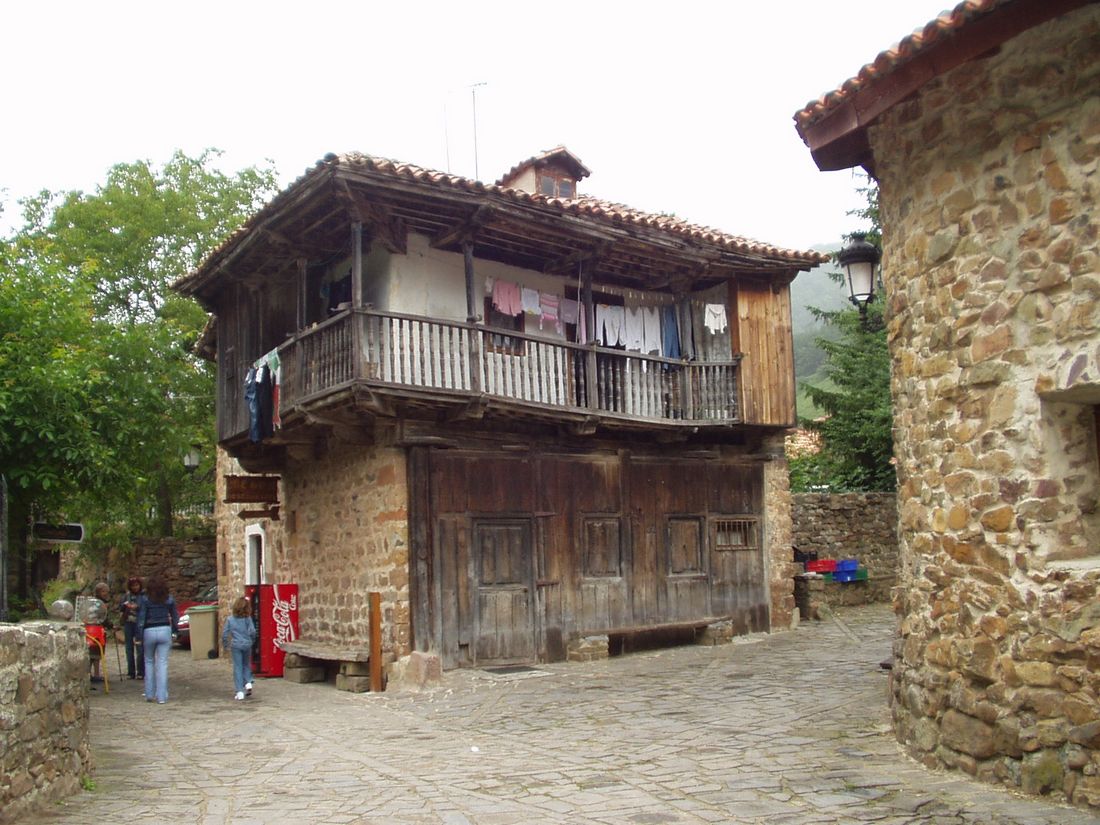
516, 554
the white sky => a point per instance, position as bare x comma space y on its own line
678, 107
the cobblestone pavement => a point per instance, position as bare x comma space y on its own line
790, 728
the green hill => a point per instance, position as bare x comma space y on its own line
813, 289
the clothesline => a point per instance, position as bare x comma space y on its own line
655, 327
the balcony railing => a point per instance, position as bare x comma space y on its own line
452, 358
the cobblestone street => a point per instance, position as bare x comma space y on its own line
790, 728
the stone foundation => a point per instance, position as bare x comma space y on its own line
778, 534
587, 649
719, 633
342, 533
43, 715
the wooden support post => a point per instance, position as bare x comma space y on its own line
591, 389
303, 307
374, 601
471, 299
357, 265
424, 617
586, 296
472, 316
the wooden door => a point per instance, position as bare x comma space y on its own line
505, 630
685, 569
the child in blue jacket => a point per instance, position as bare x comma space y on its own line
239, 635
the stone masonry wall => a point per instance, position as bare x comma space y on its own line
43, 715
187, 565
343, 532
861, 526
989, 185
777, 538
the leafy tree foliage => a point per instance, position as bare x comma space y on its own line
857, 426
100, 392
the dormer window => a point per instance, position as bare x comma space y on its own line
553, 174
556, 187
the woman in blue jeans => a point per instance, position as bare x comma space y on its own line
156, 623
239, 635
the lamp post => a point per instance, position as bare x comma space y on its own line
192, 458
859, 260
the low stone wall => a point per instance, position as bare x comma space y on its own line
43, 714
187, 565
859, 526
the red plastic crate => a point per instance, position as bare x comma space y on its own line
821, 566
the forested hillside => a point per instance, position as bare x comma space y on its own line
813, 289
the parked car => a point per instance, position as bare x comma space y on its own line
183, 629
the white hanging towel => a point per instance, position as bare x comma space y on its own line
714, 318
651, 330
609, 324
530, 300
633, 331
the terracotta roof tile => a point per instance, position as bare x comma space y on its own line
946, 25
583, 205
591, 208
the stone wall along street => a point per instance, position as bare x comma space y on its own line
44, 749
862, 526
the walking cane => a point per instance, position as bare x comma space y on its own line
118, 656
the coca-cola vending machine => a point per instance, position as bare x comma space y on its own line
275, 609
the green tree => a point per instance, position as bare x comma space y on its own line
857, 425
101, 394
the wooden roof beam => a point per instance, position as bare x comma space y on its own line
383, 226
567, 263
464, 230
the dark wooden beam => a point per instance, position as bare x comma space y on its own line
587, 426
383, 226
588, 308
303, 293
464, 230
568, 263
357, 264
473, 410
471, 287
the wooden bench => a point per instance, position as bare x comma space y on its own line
308, 661
309, 649
360, 668
623, 639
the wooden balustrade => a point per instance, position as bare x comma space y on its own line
467, 359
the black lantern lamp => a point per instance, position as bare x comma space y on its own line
192, 458
859, 260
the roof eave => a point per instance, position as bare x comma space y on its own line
838, 139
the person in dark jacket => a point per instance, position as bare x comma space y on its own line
156, 623
128, 607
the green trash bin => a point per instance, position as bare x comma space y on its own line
204, 631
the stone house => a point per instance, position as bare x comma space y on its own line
983, 132
526, 418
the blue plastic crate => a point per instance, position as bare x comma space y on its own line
847, 565
844, 576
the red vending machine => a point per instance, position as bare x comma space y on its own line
275, 610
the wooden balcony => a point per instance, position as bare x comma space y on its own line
432, 360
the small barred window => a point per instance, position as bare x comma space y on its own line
736, 534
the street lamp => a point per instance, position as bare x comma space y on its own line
192, 458
859, 259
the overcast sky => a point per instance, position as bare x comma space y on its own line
680, 107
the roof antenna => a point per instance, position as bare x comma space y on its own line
473, 103
446, 136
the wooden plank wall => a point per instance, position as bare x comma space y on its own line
615, 542
766, 339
